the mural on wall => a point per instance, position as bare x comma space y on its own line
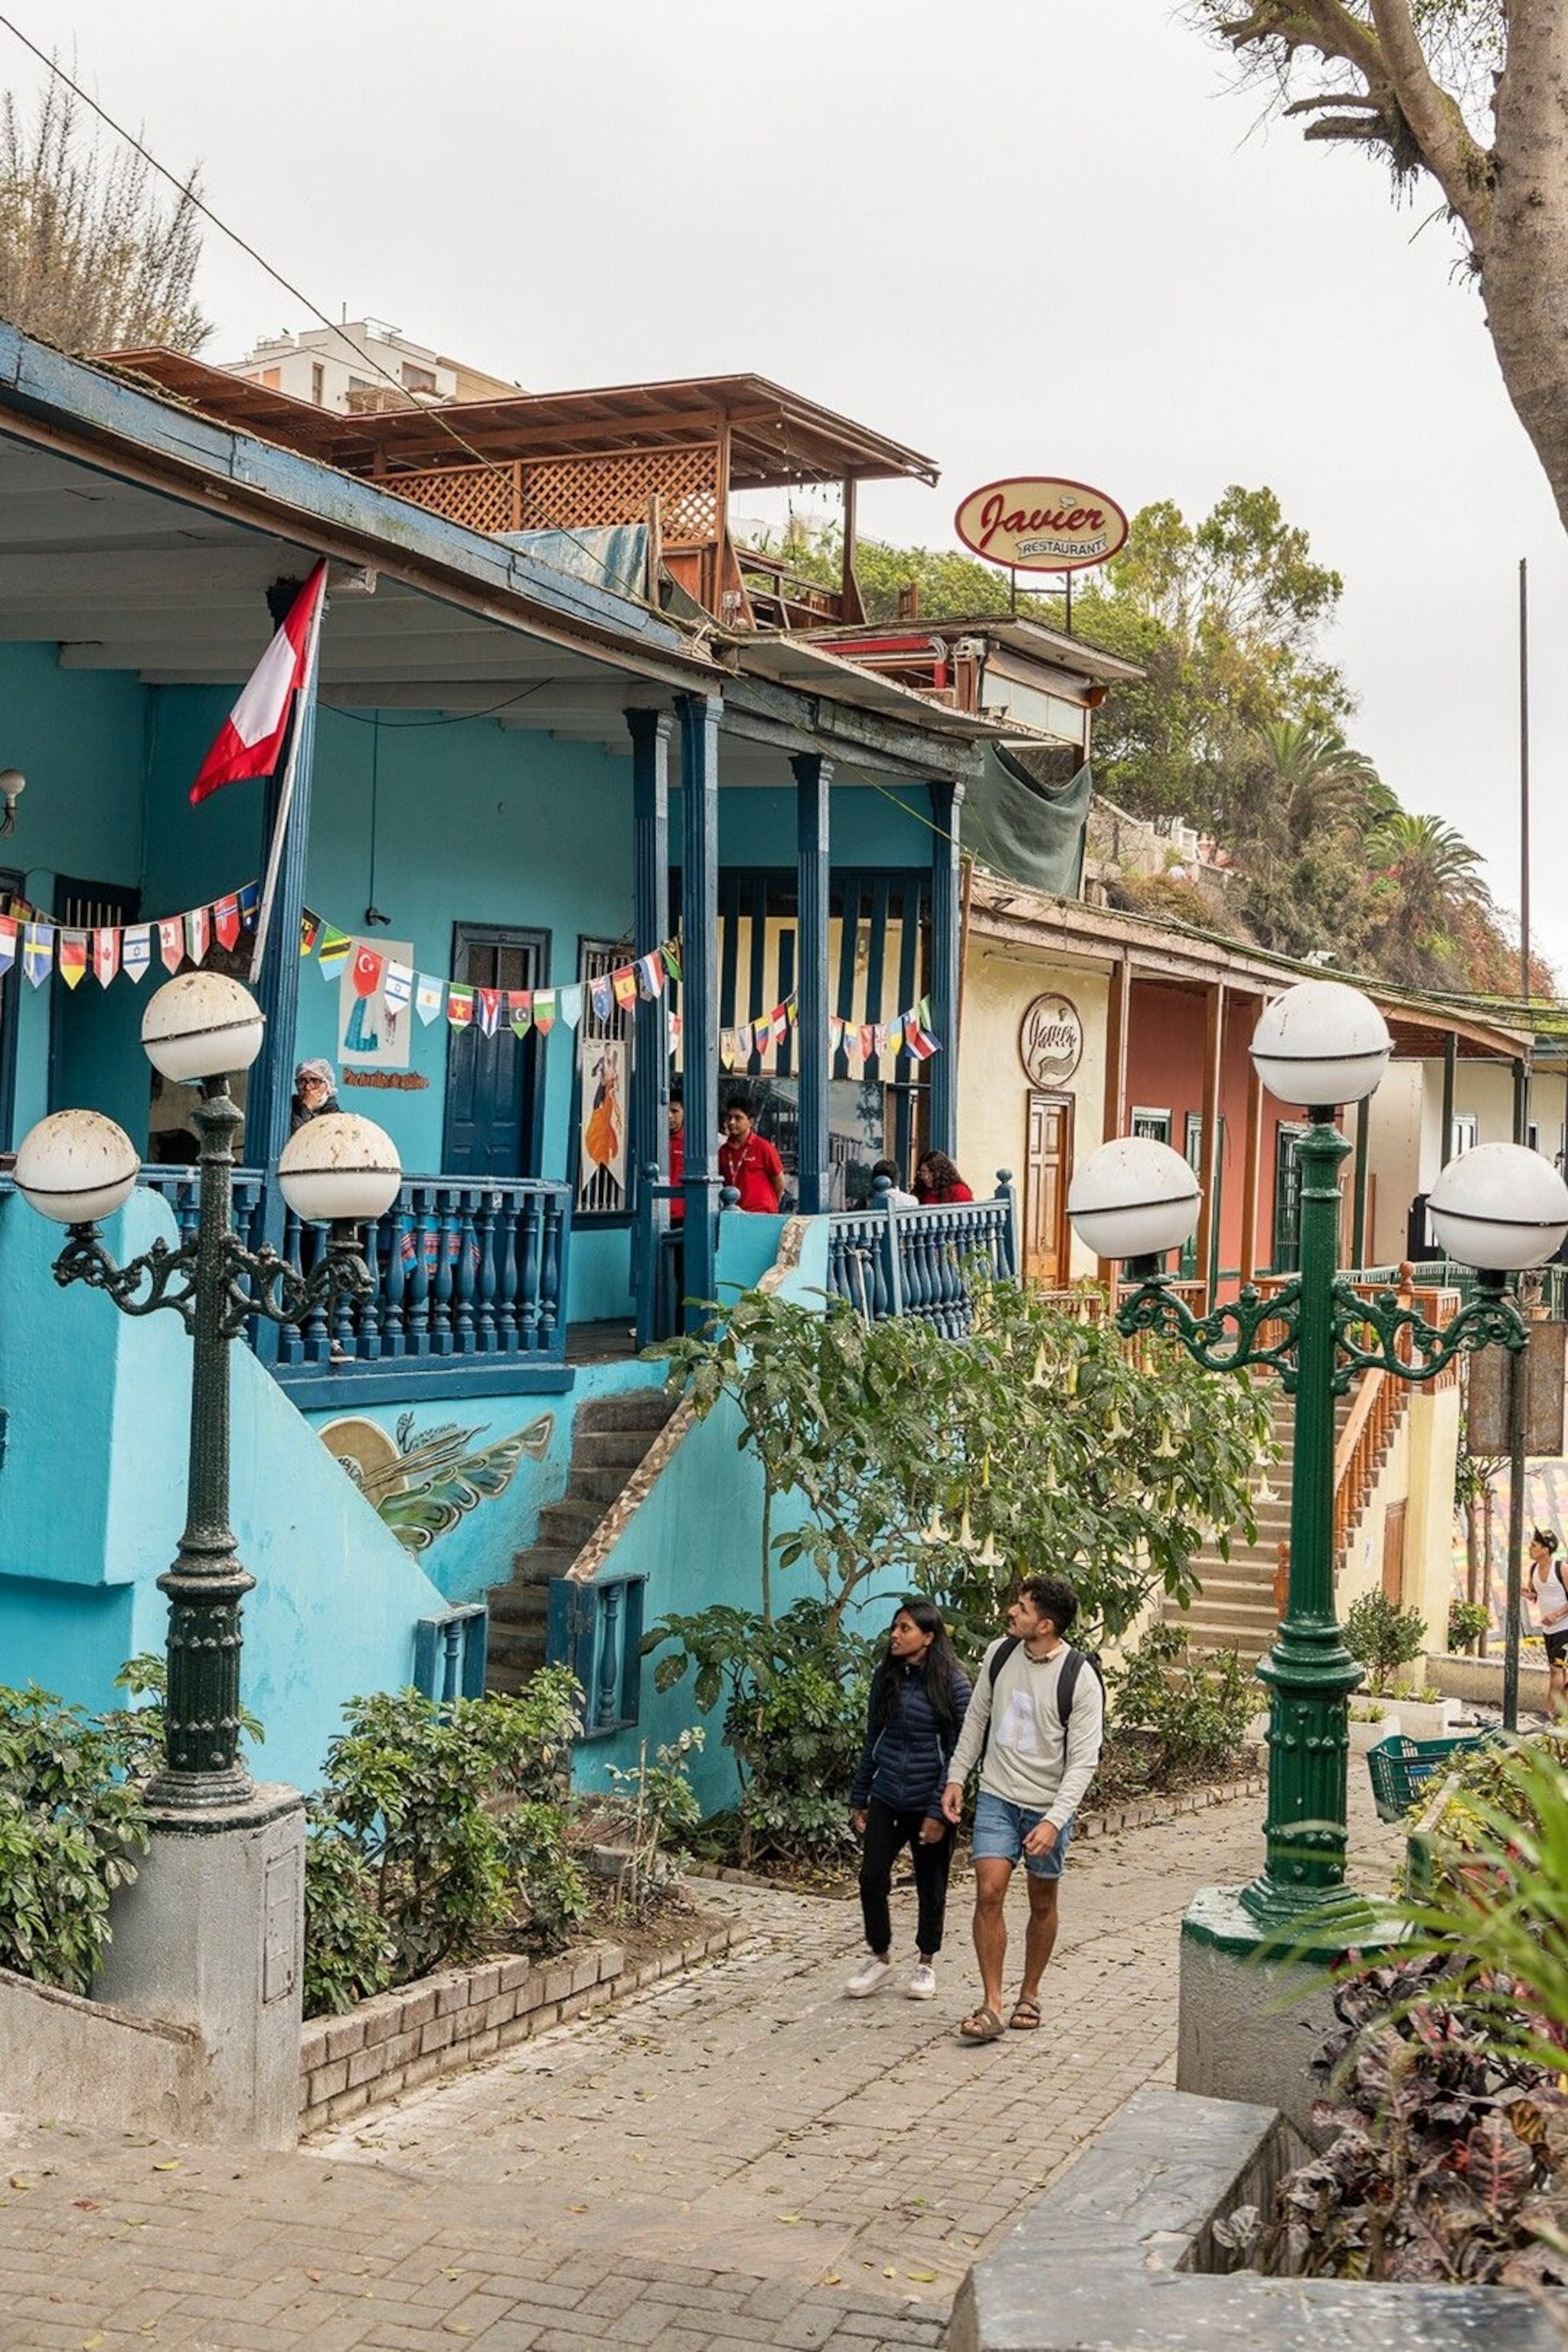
602, 1158
372, 1030
422, 1482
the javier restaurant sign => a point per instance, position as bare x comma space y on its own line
1041, 526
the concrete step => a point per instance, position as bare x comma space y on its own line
531, 1573
612, 1449
569, 1523
646, 1409
599, 1488
510, 1680
518, 1646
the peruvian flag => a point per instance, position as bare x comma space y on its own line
251, 737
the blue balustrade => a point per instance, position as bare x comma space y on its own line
888, 1261
595, 1627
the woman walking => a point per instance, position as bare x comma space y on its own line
919, 1694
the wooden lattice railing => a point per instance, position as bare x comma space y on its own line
577, 493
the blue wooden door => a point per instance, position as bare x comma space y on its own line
493, 1095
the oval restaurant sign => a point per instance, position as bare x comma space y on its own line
1050, 1041
1041, 526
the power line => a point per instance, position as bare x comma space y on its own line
187, 191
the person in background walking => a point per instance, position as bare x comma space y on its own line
1549, 1594
315, 1093
895, 1195
749, 1162
677, 1118
1034, 1727
937, 1181
919, 1694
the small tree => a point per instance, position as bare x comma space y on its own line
89, 258
1383, 1636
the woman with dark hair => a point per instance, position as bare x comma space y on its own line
919, 1694
937, 1181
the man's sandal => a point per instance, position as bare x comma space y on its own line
1025, 2017
983, 2026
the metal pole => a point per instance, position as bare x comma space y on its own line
1310, 1672
1518, 1376
201, 1766
1524, 780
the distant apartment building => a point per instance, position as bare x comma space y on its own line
362, 368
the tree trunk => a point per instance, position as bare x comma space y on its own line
1523, 249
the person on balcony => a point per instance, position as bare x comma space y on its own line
895, 1196
315, 1093
919, 1694
938, 1181
748, 1162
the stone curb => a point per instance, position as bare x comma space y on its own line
1142, 1813
439, 2024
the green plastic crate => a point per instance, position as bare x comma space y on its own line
1400, 1767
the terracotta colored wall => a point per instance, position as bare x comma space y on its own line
1165, 1072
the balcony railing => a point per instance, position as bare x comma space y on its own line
470, 1278
922, 1262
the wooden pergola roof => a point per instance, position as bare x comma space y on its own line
775, 436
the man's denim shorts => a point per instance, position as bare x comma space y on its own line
1000, 1829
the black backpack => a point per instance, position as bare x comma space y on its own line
1075, 1664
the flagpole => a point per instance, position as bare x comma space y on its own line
286, 796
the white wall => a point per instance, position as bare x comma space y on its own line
1001, 981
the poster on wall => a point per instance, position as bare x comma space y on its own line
603, 1066
372, 1033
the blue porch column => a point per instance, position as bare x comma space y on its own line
270, 1086
946, 801
812, 779
650, 732
699, 716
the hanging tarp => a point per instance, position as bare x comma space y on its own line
1024, 830
606, 555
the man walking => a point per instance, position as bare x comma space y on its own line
1033, 1726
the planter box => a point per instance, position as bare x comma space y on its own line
1121, 2252
1367, 1734
1478, 1681
1434, 1721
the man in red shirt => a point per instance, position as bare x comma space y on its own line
749, 1164
677, 1116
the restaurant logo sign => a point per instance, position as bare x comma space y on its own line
1041, 526
1050, 1041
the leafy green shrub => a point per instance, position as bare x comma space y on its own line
655, 1808
437, 1827
795, 1691
1467, 1622
1383, 1636
72, 1822
1195, 1706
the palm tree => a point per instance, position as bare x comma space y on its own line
1436, 877
1318, 781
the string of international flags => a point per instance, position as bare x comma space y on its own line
42, 945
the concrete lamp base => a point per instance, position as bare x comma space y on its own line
211, 1936
1254, 2005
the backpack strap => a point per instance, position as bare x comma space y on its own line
1000, 1655
1072, 1666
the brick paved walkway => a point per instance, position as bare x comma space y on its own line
738, 2158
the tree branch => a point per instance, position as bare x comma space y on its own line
1460, 165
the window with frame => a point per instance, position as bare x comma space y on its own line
1153, 1125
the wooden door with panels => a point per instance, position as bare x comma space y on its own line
1048, 1166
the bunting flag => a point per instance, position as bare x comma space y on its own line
37, 950
397, 987
745, 1041
670, 951
544, 1010
778, 1023
868, 1043
7, 943
489, 1010
569, 1005
136, 951
427, 996
249, 899
625, 983
650, 974
603, 997
674, 1032
460, 1007
728, 1049
334, 951
226, 919
199, 933
835, 1032
105, 955
172, 941
72, 957
519, 1011
368, 966
878, 1037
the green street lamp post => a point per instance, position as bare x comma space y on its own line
76, 1166
1498, 1208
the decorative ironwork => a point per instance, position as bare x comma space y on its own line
1404, 1342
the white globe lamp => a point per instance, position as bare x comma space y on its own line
76, 1167
1499, 1207
202, 1026
340, 1169
1321, 1044
1133, 1197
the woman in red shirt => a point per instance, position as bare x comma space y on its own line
937, 1182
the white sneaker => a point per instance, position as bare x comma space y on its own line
870, 1973
921, 1985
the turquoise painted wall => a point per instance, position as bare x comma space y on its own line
92, 1500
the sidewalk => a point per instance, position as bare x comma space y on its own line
736, 2158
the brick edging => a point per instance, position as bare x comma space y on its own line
440, 2023
1138, 1814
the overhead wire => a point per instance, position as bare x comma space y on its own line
186, 189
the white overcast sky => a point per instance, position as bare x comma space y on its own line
1030, 235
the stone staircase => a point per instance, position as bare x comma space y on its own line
611, 1437
1236, 1608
